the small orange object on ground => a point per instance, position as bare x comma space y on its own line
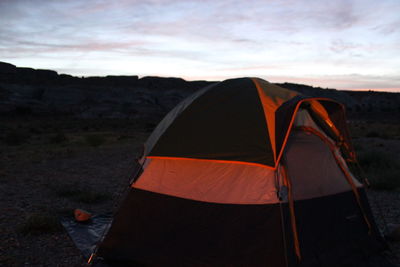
82, 215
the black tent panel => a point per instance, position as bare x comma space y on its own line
225, 123
332, 232
171, 116
159, 230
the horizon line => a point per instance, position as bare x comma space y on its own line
194, 79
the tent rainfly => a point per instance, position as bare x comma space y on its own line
245, 173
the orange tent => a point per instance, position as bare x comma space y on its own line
245, 173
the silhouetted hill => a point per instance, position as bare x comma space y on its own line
26, 90
36, 91
360, 104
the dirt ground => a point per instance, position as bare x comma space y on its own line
51, 172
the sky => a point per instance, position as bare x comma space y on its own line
343, 44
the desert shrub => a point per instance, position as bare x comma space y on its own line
381, 130
124, 136
382, 169
35, 130
372, 134
92, 197
375, 159
23, 110
95, 140
387, 179
58, 138
80, 193
40, 223
16, 137
65, 211
358, 147
66, 190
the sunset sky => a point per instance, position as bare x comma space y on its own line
345, 44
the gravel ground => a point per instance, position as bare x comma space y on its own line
41, 187
386, 208
44, 188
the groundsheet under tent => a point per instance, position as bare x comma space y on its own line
87, 234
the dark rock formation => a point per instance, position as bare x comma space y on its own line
46, 92
359, 104
7, 68
26, 90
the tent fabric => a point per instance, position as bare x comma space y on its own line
209, 181
303, 118
217, 125
154, 229
312, 167
243, 183
338, 118
272, 97
217, 122
332, 231
286, 115
170, 117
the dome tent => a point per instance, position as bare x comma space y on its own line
245, 173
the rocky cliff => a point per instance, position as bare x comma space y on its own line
35, 91
26, 90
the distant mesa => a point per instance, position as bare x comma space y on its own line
45, 92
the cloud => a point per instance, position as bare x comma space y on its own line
349, 81
268, 38
339, 46
388, 28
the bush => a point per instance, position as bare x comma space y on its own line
66, 190
23, 110
388, 179
40, 223
358, 147
92, 197
15, 138
94, 140
58, 138
80, 193
375, 159
382, 169
372, 134
35, 130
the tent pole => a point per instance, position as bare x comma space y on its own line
288, 184
278, 189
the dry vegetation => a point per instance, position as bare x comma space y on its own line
49, 166
377, 146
